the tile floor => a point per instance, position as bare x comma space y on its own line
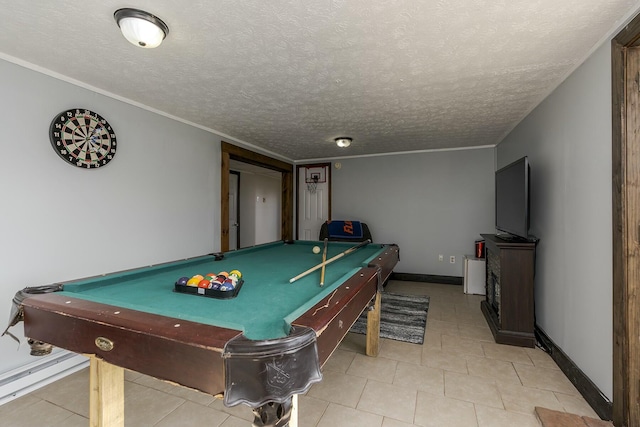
458, 378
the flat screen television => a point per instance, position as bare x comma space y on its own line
512, 199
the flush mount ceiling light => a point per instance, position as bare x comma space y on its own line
141, 28
343, 141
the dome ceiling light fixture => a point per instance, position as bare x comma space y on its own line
343, 141
141, 28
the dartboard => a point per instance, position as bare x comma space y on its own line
83, 138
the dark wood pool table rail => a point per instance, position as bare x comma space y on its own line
188, 354
334, 315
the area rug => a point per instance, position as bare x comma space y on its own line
402, 318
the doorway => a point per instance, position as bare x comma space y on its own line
256, 219
234, 209
313, 204
231, 152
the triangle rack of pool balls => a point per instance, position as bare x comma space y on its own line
221, 285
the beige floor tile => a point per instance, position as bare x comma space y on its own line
461, 346
74, 420
339, 361
445, 361
19, 405
192, 414
442, 326
146, 406
492, 369
341, 416
176, 390
70, 392
432, 340
130, 375
508, 353
310, 410
472, 389
471, 317
434, 411
38, 414
517, 398
492, 417
239, 411
575, 405
449, 316
388, 400
401, 351
338, 388
236, 422
545, 379
475, 332
389, 422
439, 311
354, 342
376, 368
422, 378
541, 359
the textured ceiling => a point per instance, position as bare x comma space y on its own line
290, 76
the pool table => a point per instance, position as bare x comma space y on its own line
261, 347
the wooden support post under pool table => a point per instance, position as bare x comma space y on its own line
106, 394
293, 421
373, 327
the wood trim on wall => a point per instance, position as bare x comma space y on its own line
591, 393
626, 225
232, 152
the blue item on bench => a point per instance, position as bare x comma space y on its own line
345, 230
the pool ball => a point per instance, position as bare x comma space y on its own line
193, 281
204, 283
223, 273
182, 281
236, 273
227, 286
198, 276
215, 286
316, 249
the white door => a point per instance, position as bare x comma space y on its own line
234, 177
313, 206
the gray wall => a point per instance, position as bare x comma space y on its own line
158, 200
428, 203
260, 197
568, 141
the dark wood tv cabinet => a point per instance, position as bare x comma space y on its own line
509, 305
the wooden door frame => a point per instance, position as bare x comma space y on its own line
626, 234
238, 226
298, 167
231, 152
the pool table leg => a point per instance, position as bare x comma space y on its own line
293, 421
373, 328
106, 394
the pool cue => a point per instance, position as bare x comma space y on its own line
324, 259
329, 261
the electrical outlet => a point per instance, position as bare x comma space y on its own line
440, 258
452, 259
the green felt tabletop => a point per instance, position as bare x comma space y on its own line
266, 303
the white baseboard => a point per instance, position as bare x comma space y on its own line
41, 372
